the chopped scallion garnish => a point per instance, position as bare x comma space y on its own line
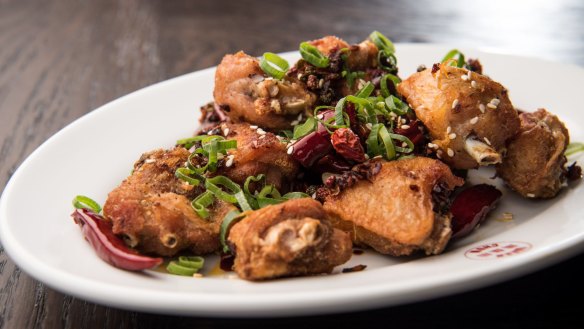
454, 58
313, 56
574, 148
83, 202
274, 65
186, 265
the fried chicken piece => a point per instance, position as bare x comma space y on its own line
151, 208
534, 164
258, 152
244, 91
468, 115
395, 212
293, 238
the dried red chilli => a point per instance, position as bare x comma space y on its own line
109, 247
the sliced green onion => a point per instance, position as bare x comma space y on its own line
410, 146
364, 107
395, 105
373, 148
202, 202
304, 129
295, 195
339, 110
389, 58
366, 90
312, 55
185, 175
382, 42
454, 58
250, 179
387, 143
186, 266
383, 84
274, 65
84, 202
231, 218
237, 197
574, 148
269, 190
352, 76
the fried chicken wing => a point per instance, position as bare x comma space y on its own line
258, 152
247, 94
151, 208
534, 164
396, 212
289, 239
468, 115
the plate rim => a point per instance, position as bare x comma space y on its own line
512, 267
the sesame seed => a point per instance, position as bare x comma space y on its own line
469, 74
455, 103
473, 84
491, 106
482, 108
448, 129
474, 120
464, 77
320, 83
294, 123
313, 195
487, 140
405, 127
210, 132
273, 90
299, 118
404, 144
432, 146
262, 136
253, 127
403, 121
495, 101
149, 160
225, 131
290, 149
229, 161
439, 154
320, 116
450, 152
530, 195
260, 131
452, 136
299, 76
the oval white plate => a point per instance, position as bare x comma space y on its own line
93, 154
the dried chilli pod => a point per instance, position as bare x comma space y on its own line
109, 247
471, 207
347, 144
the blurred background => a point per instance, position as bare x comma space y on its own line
62, 59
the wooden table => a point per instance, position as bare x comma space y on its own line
62, 59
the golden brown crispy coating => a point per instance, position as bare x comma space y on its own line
393, 213
251, 96
457, 110
258, 155
534, 164
151, 208
289, 239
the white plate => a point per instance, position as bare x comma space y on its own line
93, 154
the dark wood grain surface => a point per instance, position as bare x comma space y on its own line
62, 59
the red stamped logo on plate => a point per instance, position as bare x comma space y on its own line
497, 250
